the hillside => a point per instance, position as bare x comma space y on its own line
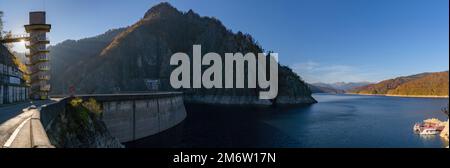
424, 84
70, 56
435, 84
142, 52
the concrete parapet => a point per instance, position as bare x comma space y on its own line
29, 134
39, 138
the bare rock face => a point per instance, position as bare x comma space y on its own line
142, 52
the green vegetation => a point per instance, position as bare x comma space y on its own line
93, 106
22, 67
79, 126
79, 113
76, 102
82, 114
90, 106
425, 84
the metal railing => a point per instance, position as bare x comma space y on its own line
15, 36
23, 37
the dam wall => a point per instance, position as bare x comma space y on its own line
127, 117
136, 116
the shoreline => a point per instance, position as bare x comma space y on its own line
408, 96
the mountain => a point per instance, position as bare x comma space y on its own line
323, 88
69, 56
123, 60
338, 87
343, 86
348, 85
435, 84
424, 84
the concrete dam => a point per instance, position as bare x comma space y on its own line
131, 117
127, 117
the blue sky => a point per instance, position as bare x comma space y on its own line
322, 40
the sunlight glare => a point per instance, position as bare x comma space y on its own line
20, 46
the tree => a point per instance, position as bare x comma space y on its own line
6, 35
445, 110
1, 23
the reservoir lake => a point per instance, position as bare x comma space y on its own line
336, 121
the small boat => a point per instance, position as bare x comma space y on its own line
429, 131
417, 127
429, 127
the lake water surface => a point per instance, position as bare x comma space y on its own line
336, 121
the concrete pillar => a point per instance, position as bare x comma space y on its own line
23, 94
19, 89
10, 94
15, 93
20, 93
1, 94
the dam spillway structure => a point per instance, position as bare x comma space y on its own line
38, 66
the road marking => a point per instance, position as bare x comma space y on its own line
14, 134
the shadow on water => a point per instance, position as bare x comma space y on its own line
223, 126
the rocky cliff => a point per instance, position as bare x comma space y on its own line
80, 127
142, 52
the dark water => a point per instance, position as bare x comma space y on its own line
336, 121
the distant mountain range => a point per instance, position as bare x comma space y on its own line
324, 89
123, 60
335, 88
424, 84
348, 85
